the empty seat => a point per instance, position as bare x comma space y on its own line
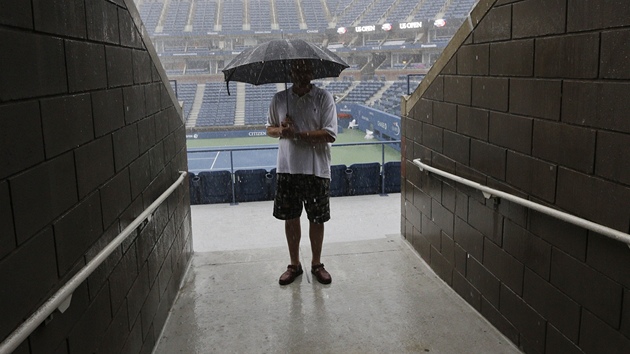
270, 180
251, 185
364, 178
194, 184
338, 181
391, 176
216, 187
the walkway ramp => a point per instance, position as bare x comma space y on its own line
383, 298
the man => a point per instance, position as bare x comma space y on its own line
303, 171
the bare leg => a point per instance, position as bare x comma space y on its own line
316, 234
294, 234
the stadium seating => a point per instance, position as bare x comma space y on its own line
259, 15
390, 101
375, 12
363, 91
257, 99
189, 55
204, 16
176, 17
338, 181
211, 187
287, 14
186, 93
401, 10
232, 19
150, 14
215, 187
270, 180
251, 185
364, 178
194, 186
218, 108
429, 9
391, 176
459, 9
338, 87
337, 7
314, 14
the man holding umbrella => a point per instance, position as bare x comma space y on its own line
304, 117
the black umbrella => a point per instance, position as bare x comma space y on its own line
269, 62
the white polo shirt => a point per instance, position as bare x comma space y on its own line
315, 110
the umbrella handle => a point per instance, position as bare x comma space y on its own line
286, 89
227, 82
284, 62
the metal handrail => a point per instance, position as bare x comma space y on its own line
275, 147
490, 192
61, 299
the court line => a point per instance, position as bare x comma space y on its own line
216, 157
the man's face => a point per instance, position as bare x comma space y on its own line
301, 72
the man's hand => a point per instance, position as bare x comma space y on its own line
287, 128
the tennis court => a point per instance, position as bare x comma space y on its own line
261, 152
263, 157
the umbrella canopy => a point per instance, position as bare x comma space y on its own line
269, 62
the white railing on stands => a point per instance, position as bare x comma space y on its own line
490, 192
61, 299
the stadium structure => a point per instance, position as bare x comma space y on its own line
389, 45
514, 201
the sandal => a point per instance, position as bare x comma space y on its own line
321, 274
293, 271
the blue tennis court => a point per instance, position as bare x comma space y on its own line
200, 159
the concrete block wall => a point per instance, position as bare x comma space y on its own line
533, 101
90, 135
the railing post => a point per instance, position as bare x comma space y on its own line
233, 179
383, 170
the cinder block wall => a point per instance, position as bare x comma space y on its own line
90, 135
533, 102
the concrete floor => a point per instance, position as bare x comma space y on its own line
383, 298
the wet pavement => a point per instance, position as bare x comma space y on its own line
383, 297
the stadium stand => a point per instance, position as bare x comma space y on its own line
176, 17
390, 100
198, 37
314, 14
287, 13
218, 108
429, 9
338, 87
204, 16
186, 94
353, 11
257, 99
363, 91
150, 13
459, 9
259, 15
232, 19
337, 7
401, 10
375, 12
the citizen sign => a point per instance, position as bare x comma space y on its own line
410, 25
